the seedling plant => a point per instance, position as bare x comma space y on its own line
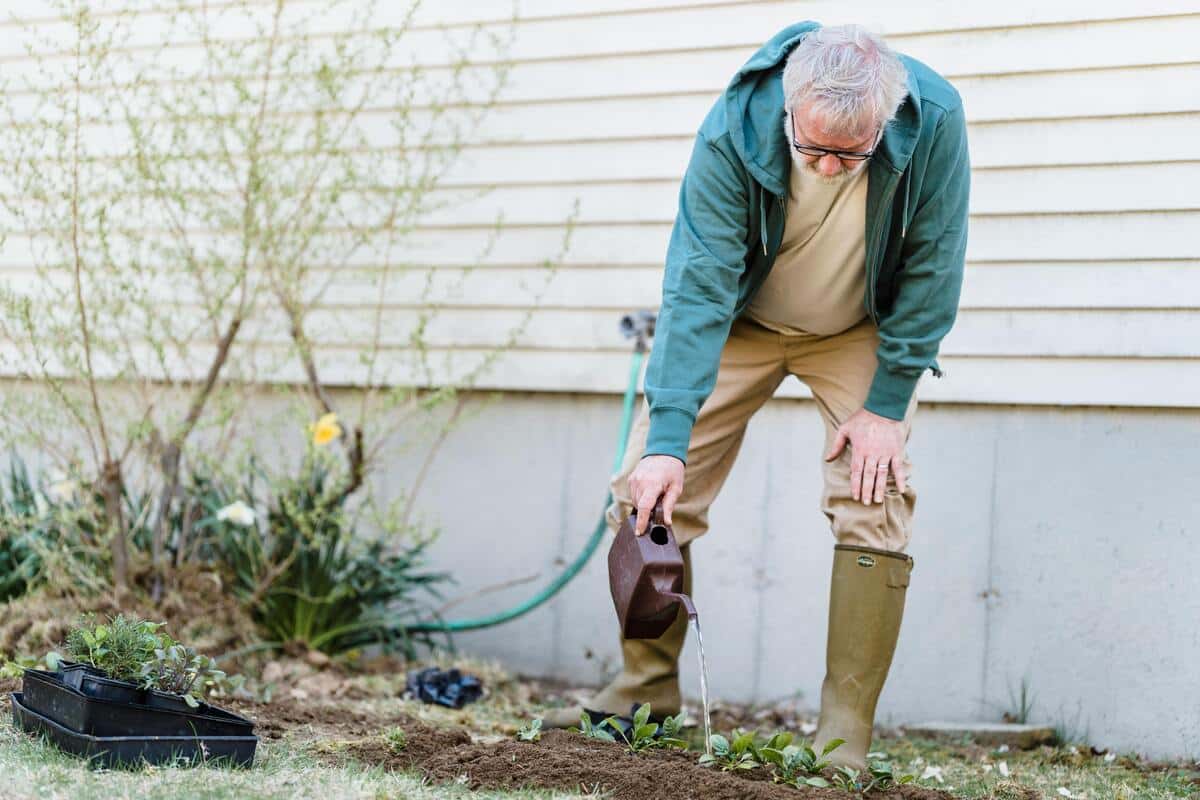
642, 735
531, 732
880, 776
741, 749
800, 765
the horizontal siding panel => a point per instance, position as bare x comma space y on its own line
1044, 381
1143, 286
1097, 284
1048, 143
977, 333
1073, 237
1123, 382
967, 50
1119, 334
1041, 190
1121, 134
663, 155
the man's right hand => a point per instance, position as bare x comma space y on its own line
655, 477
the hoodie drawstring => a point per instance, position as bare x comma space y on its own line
762, 217
904, 217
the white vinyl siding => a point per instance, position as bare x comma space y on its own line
1083, 274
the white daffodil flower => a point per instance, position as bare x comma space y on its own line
238, 513
61, 488
933, 772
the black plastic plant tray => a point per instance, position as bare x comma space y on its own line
94, 683
133, 751
95, 716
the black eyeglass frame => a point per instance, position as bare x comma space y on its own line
821, 152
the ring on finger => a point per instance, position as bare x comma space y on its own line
882, 466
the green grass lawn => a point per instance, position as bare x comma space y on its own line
298, 766
31, 770
969, 771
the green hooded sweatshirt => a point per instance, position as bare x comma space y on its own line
730, 223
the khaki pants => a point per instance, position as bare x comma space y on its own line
838, 370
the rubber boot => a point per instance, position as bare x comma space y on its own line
650, 672
866, 604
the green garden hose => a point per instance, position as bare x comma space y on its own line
588, 549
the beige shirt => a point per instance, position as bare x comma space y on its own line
818, 281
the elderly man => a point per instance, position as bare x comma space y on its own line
821, 230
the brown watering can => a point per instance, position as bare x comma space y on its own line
645, 574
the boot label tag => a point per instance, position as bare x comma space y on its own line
866, 561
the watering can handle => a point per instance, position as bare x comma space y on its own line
657, 517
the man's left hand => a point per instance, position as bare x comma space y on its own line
876, 447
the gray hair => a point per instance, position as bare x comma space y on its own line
854, 79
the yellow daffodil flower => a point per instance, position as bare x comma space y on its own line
325, 430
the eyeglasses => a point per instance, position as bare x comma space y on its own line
819, 152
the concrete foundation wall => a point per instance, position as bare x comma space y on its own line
1051, 545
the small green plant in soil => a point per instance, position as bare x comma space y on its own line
531, 732
739, 751
596, 731
396, 739
643, 734
647, 735
879, 776
884, 776
799, 764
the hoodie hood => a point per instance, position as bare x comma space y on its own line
754, 114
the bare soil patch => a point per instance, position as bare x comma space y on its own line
568, 761
308, 719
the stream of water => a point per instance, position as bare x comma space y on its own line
694, 620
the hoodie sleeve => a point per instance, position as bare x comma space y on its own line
705, 259
930, 278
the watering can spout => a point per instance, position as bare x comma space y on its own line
645, 575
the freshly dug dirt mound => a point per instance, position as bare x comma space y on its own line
567, 761
311, 719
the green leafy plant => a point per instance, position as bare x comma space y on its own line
15, 668
130, 649
309, 578
647, 735
846, 778
883, 776
643, 734
596, 731
739, 751
531, 732
120, 647
799, 764
396, 739
19, 564
180, 670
